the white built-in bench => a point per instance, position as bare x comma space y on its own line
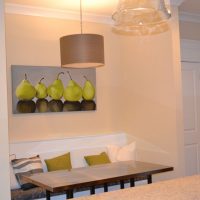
78, 148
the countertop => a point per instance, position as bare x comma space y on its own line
187, 188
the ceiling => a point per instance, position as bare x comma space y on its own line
101, 7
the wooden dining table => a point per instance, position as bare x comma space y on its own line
67, 181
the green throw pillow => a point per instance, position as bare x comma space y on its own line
102, 158
59, 163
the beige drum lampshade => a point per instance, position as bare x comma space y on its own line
82, 50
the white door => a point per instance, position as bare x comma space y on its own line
191, 110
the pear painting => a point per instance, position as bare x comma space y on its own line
73, 91
88, 90
42, 105
45, 90
88, 95
41, 90
56, 89
25, 91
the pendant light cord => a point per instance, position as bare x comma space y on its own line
81, 17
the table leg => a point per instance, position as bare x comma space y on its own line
105, 187
149, 179
48, 195
122, 184
132, 182
70, 194
92, 190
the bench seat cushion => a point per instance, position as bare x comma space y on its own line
34, 193
31, 194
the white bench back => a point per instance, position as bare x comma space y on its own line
23, 149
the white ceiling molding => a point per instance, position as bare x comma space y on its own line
189, 17
66, 14
55, 13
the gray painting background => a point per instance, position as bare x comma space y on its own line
35, 73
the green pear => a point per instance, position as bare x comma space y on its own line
88, 90
25, 91
41, 90
56, 89
73, 91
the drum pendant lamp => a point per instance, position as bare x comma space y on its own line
82, 50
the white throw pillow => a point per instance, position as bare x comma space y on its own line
13, 181
112, 152
124, 153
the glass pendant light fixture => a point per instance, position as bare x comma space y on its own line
82, 50
135, 14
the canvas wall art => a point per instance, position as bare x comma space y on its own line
38, 89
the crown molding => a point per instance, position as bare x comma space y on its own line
189, 17
55, 13
11, 8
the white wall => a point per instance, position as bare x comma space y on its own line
4, 158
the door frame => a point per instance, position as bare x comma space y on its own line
4, 143
190, 50
190, 53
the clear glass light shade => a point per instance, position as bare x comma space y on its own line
131, 14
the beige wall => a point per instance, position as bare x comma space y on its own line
138, 91
150, 78
4, 158
35, 41
190, 30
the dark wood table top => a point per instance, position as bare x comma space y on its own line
63, 180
